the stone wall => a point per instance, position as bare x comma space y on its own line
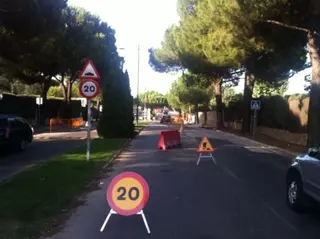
278, 134
211, 118
286, 136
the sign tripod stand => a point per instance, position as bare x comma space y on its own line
139, 213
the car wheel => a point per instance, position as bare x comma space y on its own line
295, 195
23, 145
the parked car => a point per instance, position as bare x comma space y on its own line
303, 180
165, 119
15, 132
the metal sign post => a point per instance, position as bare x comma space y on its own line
89, 128
39, 102
255, 106
254, 128
89, 89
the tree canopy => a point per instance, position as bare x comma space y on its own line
221, 39
153, 99
53, 46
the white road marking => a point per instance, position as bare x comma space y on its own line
232, 174
285, 221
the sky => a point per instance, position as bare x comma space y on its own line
143, 22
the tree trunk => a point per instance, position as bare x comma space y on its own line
205, 117
98, 105
219, 107
247, 96
69, 91
65, 92
314, 104
197, 114
45, 89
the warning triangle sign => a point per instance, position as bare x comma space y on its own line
205, 146
89, 72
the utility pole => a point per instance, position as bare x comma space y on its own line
137, 112
145, 104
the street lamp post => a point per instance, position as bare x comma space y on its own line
137, 110
138, 78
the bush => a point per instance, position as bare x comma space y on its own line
286, 113
26, 107
116, 120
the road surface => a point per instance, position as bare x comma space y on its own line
42, 148
242, 197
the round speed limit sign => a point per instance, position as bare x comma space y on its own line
89, 89
128, 193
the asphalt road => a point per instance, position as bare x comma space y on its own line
42, 148
242, 197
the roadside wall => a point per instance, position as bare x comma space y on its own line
26, 107
280, 118
289, 114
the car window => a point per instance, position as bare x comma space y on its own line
16, 124
317, 156
22, 120
315, 153
3, 123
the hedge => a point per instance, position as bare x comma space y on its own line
286, 113
26, 107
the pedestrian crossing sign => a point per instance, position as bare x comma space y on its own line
255, 104
205, 146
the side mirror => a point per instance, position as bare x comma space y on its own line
309, 150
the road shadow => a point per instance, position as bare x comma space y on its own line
12, 162
49, 189
258, 173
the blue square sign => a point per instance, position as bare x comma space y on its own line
255, 104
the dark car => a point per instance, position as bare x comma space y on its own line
303, 180
15, 132
165, 119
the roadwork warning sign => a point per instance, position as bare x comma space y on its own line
205, 146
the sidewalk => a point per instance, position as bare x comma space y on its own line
46, 129
245, 141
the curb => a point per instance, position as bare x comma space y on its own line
281, 150
125, 145
115, 156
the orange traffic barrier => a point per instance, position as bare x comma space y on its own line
169, 139
69, 123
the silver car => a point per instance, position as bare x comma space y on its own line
303, 180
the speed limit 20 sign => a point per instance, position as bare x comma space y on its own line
128, 193
89, 88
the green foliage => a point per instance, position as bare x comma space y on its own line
270, 89
28, 51
218, 38
117, 117
54, 46
187, 91
275, 112
229, 96
49, 188
153, 99
57, 91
